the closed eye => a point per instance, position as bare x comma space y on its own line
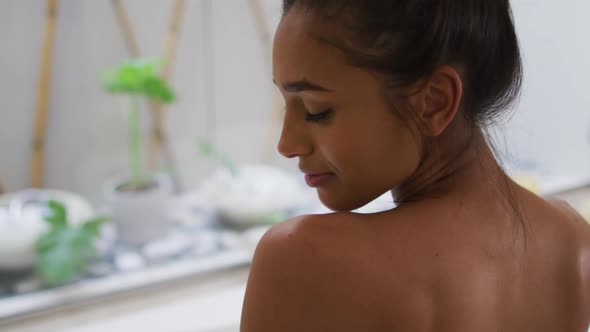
318, 117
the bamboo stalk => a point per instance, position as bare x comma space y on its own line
264, 33
158, 140
124, 23
265, 37
171, 43
38, 157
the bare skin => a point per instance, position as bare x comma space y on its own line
452, 256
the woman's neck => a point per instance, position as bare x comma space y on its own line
453, 165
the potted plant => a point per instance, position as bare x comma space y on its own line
139, 201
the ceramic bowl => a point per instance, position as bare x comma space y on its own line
21, 223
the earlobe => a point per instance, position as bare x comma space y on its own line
441, 99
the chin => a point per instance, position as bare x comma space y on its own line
341, 203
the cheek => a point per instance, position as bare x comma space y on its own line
371, 156
405, 153
368, 166
383, 157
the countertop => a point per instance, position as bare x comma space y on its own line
206, 304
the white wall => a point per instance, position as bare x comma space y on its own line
86, 131
86, 140
552, 125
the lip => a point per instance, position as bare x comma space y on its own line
316, 180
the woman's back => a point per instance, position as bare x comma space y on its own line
484, 277
443, 266
553, 292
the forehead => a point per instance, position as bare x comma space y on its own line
299, 51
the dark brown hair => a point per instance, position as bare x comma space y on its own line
407, 40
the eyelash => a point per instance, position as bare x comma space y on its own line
318, 117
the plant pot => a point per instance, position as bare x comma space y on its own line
140, 214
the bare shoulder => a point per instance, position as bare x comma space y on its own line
294, 284
567, 211
303, 280
577, 226
581, 230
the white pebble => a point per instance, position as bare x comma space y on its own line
166, 248
28, 285
128, 261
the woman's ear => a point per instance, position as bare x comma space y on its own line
437, 102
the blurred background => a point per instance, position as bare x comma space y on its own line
178, 155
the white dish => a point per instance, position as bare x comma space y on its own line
254, 194
21, 223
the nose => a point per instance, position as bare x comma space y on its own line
294, 140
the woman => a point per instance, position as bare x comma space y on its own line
395, 95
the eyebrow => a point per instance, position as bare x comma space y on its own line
303, 85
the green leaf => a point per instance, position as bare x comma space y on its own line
65, 250
59, 216
55, 266
92, 226
167, 96
157, 88
47, 241
227, 163
206, 149
142, 77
